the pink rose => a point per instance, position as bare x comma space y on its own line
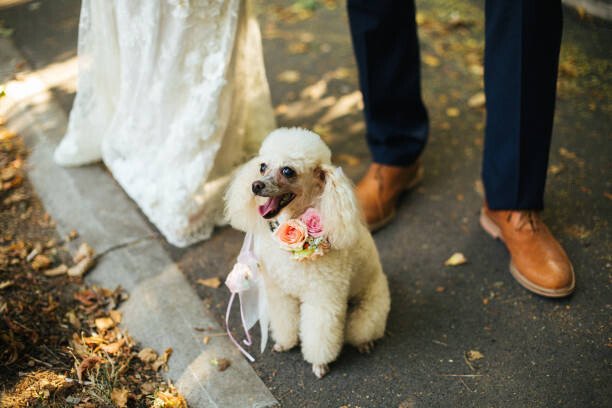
291, 234
312, 220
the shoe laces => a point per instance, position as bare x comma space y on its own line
528, 217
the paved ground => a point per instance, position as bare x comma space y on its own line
537, 352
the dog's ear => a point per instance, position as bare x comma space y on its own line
240, 206
338, 206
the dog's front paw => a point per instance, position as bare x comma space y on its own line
366, 348
279, 348
320, 370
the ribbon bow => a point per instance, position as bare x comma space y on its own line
245, 280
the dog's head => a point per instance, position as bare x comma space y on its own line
292, 173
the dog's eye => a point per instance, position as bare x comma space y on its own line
262, 168
288, 172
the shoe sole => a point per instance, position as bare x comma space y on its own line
413, 183
493, 230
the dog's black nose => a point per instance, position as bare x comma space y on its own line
257, 187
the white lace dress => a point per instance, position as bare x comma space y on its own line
172, 96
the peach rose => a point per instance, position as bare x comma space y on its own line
312, 220
291, 234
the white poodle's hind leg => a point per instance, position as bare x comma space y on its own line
366, 322
284, 318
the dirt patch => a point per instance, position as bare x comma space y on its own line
61, 342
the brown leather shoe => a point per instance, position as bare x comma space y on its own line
379, 189
538, 262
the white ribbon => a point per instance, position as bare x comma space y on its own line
246, 281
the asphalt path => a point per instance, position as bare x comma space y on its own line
537, 352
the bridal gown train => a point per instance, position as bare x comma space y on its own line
172, 96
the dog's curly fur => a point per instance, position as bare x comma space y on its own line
309, 300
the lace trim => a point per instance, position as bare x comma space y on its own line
172, 96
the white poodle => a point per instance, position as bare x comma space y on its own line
324, 281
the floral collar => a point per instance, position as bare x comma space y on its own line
304, 236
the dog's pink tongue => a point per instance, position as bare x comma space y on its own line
269, 206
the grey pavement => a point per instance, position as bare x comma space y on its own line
537, 352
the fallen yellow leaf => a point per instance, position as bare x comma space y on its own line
162, 361
40, 262
430, 60
210, 282
456, 259
476, 69
8, 173
147, 355
79, 269
314, 91
84, 251
167, 399
341, 73
58, 270
6, 284
477, 100
222, 364
115, 315
289, 76
420, 18
474, 355
452, 112
72, 235
113, 348
6, 134
119, 396
104, 323
93, 340
568, 69
568, 154
555, 169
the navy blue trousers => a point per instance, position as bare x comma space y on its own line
522, 42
